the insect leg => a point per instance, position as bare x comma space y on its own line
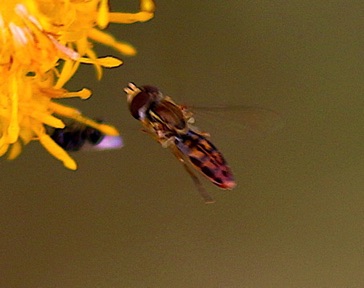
204, 194
198, 131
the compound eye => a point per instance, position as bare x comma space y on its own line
140, 101
150, 89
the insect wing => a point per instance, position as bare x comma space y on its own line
244, 123
106, 143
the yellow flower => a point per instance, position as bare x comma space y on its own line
42, 43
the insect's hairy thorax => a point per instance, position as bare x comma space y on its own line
168, 115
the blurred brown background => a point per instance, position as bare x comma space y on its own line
132, 217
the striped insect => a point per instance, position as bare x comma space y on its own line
77, 136
170, 125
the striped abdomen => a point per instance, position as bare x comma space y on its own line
205, 157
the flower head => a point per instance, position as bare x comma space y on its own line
42, 43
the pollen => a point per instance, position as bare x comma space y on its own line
42, 44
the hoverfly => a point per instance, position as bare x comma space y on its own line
77, 136
170, 125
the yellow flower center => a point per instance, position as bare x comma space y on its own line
42, 43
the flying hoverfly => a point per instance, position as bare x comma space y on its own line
170, 125
77, 136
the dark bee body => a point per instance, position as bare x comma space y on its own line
168, 123
76, 136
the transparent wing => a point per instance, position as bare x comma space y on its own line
239, 122
107, 143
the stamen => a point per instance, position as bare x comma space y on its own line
48, 119
108, 40
18, 34
129, 18
103, 14
147, 5
83, 94
108, 62
68, 70
22, 11
65, 50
